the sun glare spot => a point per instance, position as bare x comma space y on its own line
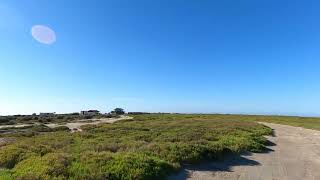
43, 34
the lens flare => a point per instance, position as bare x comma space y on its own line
43, 34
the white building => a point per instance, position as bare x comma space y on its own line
90, 113
47, 114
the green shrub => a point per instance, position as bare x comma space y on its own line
5, 174
50, 166
10, 155
123, 166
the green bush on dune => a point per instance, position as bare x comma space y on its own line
148, 147
49, 166
10, 156
118, 166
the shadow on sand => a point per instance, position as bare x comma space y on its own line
273, 134
224, 165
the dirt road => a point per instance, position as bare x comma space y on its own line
294, 154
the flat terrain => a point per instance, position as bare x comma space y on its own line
294, 154
156, 146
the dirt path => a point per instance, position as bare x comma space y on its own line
75, 126
15, 126
294, 154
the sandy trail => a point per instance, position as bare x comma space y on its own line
75, 126
294, 154
15, 126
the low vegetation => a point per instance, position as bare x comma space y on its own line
57, 118
30, 125
29, 131
305, 122
146, 147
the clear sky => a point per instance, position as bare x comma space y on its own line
209, 56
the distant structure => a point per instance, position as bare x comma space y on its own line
137, 113
47, 114
90, 113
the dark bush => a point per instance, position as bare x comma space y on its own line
41, 128
61, 128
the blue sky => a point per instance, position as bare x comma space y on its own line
246, 56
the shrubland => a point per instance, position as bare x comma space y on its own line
58, 118
147, 147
